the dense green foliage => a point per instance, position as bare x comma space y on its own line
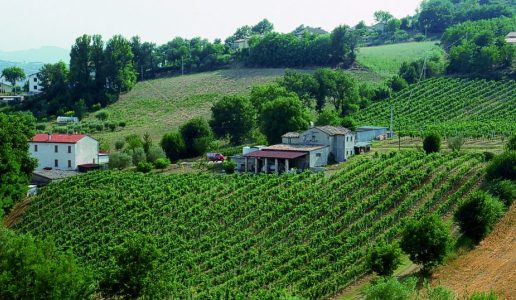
478, 214
503, 166
13, 75
16, 165
505, 190
230, 236
32, 269
432, 143
120, 160
449, 106
174, 145
390, 288
384, 258
426, 241
233, 116
282, 115
197, 135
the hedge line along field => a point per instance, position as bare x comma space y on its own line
450, 106
386, 60
253, 236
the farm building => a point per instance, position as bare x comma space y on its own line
5, 88
35, 86
511, 38
370, 133
45, 177
66, 120
340, 140
240, 44
283, 158
63, 151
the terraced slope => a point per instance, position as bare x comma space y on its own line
246, 236
451, 106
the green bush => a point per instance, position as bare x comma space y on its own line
174, 146
99, 127
161, 163
229, 166
455, 143
426, 241
155, 153
197, 136
397, 83
432, 143
390, 288
32, 269
102, 115
503, 166
112, 126
119, 145
96, 106
384, 258
505, 190
138, 155
488, 156
41, 127
484, 296
119, 160
144, 167
122, 124
478, 214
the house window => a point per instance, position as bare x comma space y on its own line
55, 149
56, 163
318, 155
35, 87
35, 79
35, 148
69, 149
69, 163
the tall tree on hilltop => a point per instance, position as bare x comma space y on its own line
13, 74
80, 66
343, 42
120, 73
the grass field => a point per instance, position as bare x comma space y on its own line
386, 60
161, 105
252, 237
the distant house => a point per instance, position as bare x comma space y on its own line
5, 88
66, 120
511, 38
309, 30
240, 44
63, 151
366, 134
340, 140
35, 85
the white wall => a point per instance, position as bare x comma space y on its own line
34, 84
83, 152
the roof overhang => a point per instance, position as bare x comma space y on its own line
276, 154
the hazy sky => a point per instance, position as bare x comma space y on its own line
34, 23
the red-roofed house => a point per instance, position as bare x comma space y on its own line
63, 151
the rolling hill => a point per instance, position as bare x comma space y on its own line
450, 106
253, 237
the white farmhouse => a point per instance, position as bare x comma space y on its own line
64, 151
35, 86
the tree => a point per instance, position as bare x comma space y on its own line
13, 74
133, 141
264, 93
281, 116
432, 143
328, 117
382, 16
118, 64
233, 116
263, 27
34, 269
397, 83
136, 259
144, 167
505, 190
155, 153
56, 90
503, 166
478, 214
137, 155
147, 142
384, 258
426, 241
435, 16
16, 165
80, 66
343, 43
119, 160
455, 143
174, 146
389, 288
161, 163
197, 135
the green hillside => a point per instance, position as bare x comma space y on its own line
241, 236
386, 60
451, 106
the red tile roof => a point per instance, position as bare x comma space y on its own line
57, 138
276, 154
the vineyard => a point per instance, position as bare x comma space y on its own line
246, 236
450, 106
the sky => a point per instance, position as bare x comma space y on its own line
34, 23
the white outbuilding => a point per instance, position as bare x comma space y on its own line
64, 151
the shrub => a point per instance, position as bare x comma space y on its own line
432, 143
161, 163
102, 115
484, 296
229, 166
390, 288
426, 241
505, 190
382, 92
122, 124
478, 214
112, 126
419, 37
138, 155
133, 141
455, 143
96, 106
173, 145
144, 167
155, 153
197, 136
511, 143
328, 117
397, 83
384, 258
119, 160
488, 156
503, 166
41, 127
99, 127
119, 145
33, 269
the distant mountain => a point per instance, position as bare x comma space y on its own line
44, 55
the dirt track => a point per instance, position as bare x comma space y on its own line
490, 266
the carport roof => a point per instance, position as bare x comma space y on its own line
276, 154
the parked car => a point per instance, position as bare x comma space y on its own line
214, 156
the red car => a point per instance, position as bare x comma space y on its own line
213, 156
